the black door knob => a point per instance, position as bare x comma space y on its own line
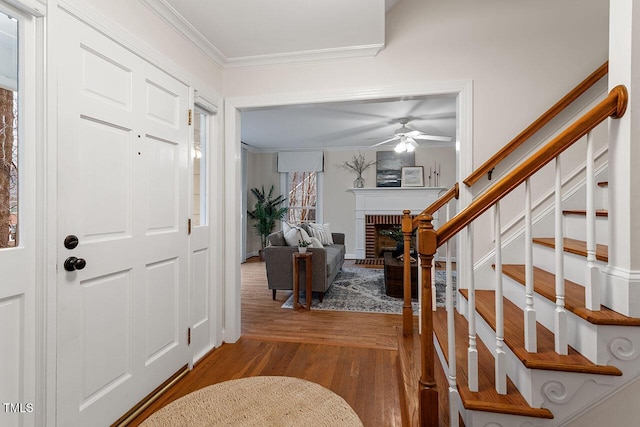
72, 263
71, 241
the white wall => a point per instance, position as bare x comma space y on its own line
261, 171
521, 56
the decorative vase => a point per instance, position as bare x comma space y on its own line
359, 182
302, 249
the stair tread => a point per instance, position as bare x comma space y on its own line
544, 285
486, 398
599, 212
546, 357
577, 247
603, 184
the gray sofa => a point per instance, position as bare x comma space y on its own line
326, 262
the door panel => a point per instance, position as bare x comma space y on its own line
104, 195
122, 319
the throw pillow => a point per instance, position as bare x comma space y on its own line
291, 236
322, 232
294, 234
315, 243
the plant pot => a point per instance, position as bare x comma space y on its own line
302, 250
359, 182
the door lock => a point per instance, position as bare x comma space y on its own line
72, 263
71, 241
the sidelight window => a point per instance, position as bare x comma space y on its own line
9, 142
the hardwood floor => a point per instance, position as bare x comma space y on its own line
352, 354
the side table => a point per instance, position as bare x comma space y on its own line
296, 257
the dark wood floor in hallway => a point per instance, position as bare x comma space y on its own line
352, 354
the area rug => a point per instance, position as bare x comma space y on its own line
257, 401
362, 290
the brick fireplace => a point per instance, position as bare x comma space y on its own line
376, 208
375, 244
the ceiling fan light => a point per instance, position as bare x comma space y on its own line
410, 148
401, 147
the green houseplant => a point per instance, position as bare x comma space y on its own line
266, 212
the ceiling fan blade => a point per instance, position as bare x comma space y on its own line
384, 142
434, 137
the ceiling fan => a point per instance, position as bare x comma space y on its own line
406, 137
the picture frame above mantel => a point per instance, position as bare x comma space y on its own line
412, 176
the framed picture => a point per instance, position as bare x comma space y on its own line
413, 176
389, 166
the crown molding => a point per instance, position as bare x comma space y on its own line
365, 51
172, 18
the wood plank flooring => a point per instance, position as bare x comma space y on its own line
352, 354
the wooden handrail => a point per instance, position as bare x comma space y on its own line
537, 125
435, 206
614, 105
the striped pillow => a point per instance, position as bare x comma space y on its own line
321, 232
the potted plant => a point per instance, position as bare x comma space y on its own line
358, 164
266, 212
302, 246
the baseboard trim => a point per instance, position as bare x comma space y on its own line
150, 398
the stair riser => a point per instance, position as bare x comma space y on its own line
574, 265
575, 227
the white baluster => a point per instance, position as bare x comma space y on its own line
560, 317
472, 351
451, 335
592, 279
530, 337
501, 369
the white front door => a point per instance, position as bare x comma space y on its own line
122, 195
17, 220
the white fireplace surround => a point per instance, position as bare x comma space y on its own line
389, 201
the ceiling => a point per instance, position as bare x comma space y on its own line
347, 124
257, 32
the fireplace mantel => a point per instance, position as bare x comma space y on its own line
389, 201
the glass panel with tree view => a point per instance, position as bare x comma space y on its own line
199, 159
9, 231
302, 197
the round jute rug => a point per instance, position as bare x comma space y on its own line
257, 401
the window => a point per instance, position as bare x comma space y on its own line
9, 230
302, 200
199, 159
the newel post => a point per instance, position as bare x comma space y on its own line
427, 246
407, 312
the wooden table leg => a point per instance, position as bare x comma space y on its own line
307, 265
296, 287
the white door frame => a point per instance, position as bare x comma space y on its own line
233, 196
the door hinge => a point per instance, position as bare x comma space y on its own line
188, 336
189, 226
190, 116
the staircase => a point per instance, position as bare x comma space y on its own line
543, 387
537, 348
